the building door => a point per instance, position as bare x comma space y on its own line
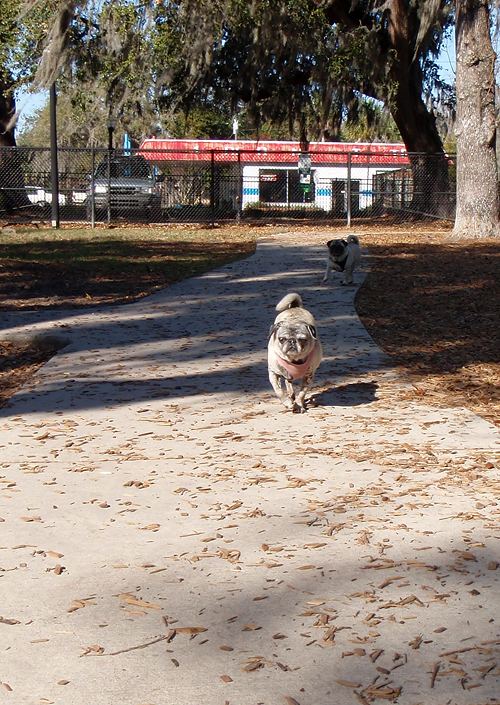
339, 197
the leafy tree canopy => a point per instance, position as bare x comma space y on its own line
300, 65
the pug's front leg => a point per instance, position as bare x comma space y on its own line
283, 396
290, 391
327, 272
347, 276
307, 381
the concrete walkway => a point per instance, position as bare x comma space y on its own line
171, 536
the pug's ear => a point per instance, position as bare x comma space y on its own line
273, 329
329, 243
312, 331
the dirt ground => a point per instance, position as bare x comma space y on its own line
433, 305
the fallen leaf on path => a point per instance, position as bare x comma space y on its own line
314, 545
131, 600
253, 666
96, 649
3, 620
232, 555
386, 693
415, 644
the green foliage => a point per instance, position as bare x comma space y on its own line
201, 123
21, 38
186, 68
370, 123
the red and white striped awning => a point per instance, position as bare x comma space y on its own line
271, 152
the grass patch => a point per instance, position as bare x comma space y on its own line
45, 268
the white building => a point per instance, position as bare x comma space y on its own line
248, 172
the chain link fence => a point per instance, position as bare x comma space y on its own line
208, 186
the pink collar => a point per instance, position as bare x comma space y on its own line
297, 371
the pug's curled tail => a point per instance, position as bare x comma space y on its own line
353, 238
289, 301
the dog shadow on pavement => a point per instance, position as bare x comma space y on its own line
351, 394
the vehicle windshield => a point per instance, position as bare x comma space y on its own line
133, 169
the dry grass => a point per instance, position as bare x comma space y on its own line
78, 267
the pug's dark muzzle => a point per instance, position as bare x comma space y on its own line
292, 348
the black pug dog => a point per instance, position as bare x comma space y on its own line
343, 256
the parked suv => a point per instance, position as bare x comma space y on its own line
132, 183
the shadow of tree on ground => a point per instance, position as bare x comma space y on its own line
435, 309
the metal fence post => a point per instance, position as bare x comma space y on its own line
92, 188
212, 188
54, 171
109, 185
239, 190
348, 190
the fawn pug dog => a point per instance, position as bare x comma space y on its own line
294, 352
343, 256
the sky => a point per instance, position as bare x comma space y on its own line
447, 59
28, 103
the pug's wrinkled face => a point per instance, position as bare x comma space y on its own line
337, 248
293, 341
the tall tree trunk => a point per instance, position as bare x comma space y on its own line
12, 188
478, 200
7, 112
397, 43
414, 121
419, 132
